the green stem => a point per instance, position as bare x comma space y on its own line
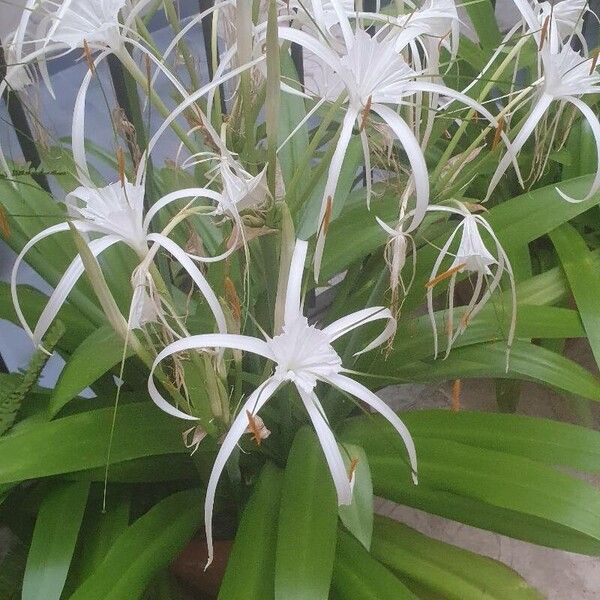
486, 90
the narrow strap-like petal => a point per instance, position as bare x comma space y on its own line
15, 270
362, 393
66, 284
294, 286
188, 265
202, 342
255, 402
474, 105
178, 195
189, 100
528, 128
357, 319
311, 44
592, 120
333, 175
413, 150
330, 447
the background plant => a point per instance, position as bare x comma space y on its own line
115, 477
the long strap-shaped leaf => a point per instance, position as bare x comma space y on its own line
144, 548
359, 576
543, 440
79, 442
492, 490
527, 361
251, 566
444, 569
307, 523
54, 537
584, 279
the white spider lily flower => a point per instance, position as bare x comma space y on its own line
473, 257
553, 23
75, 22
567, 76
241, 190
68, 24
395, 258
115, 213
432, 25
373, 75
302, 355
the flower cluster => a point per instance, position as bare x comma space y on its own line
369, 76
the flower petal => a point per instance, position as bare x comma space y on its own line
178, 195
15, 270
592, 120
528, 128
66, 284
357, 319
188, 264
255, 402
332, 453
361, 392
294, 287
335, 168
413, 150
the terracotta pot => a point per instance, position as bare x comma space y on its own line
188, 567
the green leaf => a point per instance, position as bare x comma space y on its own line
79, 442
415, 336
527, 361
291, 112
454, 573
33, 302
483, 17
103, 529
145, 547
96, 355
54, 537
307, 523
516, 222
251, 565
584, 279
491, 490
550, 442
358, 516
358, 576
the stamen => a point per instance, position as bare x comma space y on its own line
88, 57
499, 131
595, 56
255, 428
4, 226
443, 276
327, 216
353, 464
233, 299
121, 165
544, 33
365, 114
456, 385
